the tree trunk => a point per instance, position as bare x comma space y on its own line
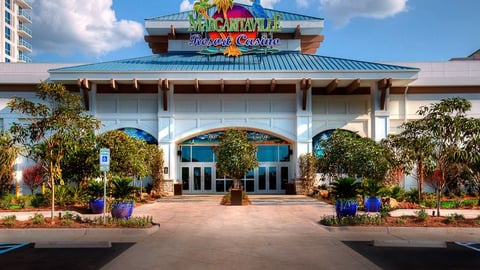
438, 201
420, 181
236, 183
52, 184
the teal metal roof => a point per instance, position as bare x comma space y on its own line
286, 16
194, 62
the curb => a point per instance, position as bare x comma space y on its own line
80, 234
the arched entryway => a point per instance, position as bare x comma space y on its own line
198, 169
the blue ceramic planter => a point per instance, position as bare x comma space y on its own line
122, 209
345, 208
373, 204
96, 205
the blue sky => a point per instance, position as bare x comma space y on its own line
369, 30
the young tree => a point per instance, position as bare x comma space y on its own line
235, 155
8, 155
51, 128
81, 163
345, 153
155, 162
442, 142
454, 135
127, 154
307, 164
413, 148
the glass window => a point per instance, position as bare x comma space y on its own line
186, 178
284, 176
272, 178
284, 152
207, 178
8, 4
8, 34
267, 153
7, 60
186, 153
7, 17
250, 174
262, 183
220, 186
202, 154
7, 48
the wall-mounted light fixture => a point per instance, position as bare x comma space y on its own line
179, 152
165, 170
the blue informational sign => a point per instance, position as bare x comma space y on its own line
104, 160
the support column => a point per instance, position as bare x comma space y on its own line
304, 123
380, 93
166, 130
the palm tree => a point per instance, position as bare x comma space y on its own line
201, 7
223, 6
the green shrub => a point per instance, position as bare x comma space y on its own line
454, 217
68, 218
133, 222
25, 201
412, 195
79, 194
7, 201
429, 200
385, 211
401, 220
9, 221
351, 221
63, 195
38, 219
38, 200
422, 215
470, 203
398, 193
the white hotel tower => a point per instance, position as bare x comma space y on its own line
14, 34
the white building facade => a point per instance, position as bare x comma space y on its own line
15, 20
182, 97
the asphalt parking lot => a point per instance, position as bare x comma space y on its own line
454, 256
27, 257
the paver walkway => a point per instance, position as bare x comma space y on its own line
273, 233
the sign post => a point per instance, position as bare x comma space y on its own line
104, 167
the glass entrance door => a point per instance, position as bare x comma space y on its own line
197, 179
267, 179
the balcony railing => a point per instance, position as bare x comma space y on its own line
24, 31
25, 59
23, 16
23, 45
26, 4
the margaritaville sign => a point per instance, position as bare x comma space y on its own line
233, 30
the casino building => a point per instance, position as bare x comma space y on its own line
278, 90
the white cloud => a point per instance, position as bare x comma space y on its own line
342, 11
186, 6
302, 3
88, 26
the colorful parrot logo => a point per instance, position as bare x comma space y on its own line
233, 30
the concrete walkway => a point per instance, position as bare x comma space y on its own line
275, 232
